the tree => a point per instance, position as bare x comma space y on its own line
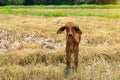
55, 2
15, 2
97, 1
2, 2
106, 1
29, 2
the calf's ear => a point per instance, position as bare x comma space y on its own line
77, 30
60, 30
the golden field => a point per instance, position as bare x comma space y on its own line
26, 52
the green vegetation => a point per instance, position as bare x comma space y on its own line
55, 2
63, 7
105, 11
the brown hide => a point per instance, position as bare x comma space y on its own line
73, 37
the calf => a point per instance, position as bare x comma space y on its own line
73, 37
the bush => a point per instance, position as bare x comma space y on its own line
55, 2
97, 1
15, 2
29, 2
43, 2
2, 2
106, 1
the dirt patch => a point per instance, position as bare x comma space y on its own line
5, 39
8, 43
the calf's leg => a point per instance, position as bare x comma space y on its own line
68, 55
76, 58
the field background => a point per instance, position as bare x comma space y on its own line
30, 49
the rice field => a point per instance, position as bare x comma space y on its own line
105, 11
30, 49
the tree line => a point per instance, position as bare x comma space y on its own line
55, 2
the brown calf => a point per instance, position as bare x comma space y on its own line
73, 37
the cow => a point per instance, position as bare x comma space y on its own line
73, 37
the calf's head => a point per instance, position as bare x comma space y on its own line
71, 29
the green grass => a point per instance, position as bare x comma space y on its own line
25, 12
105, 13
